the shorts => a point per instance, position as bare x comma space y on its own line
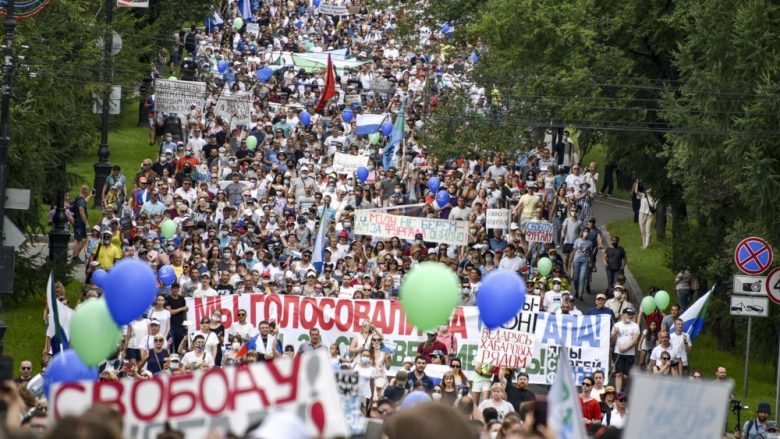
479, 386
567, 248
133, 354
79, 231
623, 363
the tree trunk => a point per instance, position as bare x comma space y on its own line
660, 221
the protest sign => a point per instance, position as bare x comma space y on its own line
332, 9
352, 99
237, 109
339, 319
505, 348
676, 408
347, 383
132, 3
224, 399
178, 96
386, 225
498, 219
382, 85
253, 28
348, 164
539, 231
586, 336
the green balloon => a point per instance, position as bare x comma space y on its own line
93, 333
168, 229
238, 23
373, 138
544, 266
662, 300
429, 294
172, 78
251, 143
648, 305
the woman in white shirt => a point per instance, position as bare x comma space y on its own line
497, 401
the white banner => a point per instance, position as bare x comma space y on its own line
676, 408
225, 399
586, 337
348, 164
385, 225
331, 9
238, 108
132, 3
253, 28
178, 96
339, 319
539, 231
352, 99
506, 348
498, 219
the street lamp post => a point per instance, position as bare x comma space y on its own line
103, 167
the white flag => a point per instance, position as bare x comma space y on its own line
564, 414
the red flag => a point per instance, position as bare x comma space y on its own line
330, 88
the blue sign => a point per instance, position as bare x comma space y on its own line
753, 255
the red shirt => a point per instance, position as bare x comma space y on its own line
591, 410
425, 349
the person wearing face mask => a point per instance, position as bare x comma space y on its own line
366, 375
583, 247
618, 300
552, 298
167, 145
624, 335
189, 157
105, 253
570, 230
198, 355
615, 260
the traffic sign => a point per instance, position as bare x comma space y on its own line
18, 199
749, 285
753, 255
13, 236
772, 285
748, 306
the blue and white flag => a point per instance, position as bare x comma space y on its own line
214, 21
396, 137
59, 317
564, 414
369, 123
318, 253
246, 9
693, 317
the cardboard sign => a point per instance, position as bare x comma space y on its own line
132, 3
352, 99
382, 85
224, 399
539, 231
586, 336
332, 9
386, 225
236, 109
178, 96
498, 219
676, 408
253, 28
505, 348
347, 382
339, 319
348, 164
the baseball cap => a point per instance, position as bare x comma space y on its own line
629, 310
764, 407
601, 296
154, 322
408, 360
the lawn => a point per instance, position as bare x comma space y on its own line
129, 145
598, 155
649, 269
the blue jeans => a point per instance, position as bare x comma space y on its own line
611, 276
580, 274
684, 296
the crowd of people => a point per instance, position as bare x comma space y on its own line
249, 214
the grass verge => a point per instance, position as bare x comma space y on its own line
598, 155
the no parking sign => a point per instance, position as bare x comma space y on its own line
753, 255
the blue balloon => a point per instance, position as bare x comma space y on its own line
387, 128
433, 184
316, 3
474, 57
362, 174
264, 74
222, 65
99, 277
445, 28
305, 118
347, 114
414, 398
298, 24
167, 275
501, 296
130, 290
67, 367
442, 198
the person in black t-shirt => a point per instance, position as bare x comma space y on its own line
176, 304
223, 287
615, 260
518, 392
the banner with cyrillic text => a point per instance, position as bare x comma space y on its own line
235, 109
586, 337
539, 231
498, 219
331, 9
178, 96
506, 348
385, 225
348, 164
339, 320
222, 399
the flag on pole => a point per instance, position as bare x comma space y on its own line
564, 413
317, 255
395, 137
246, 10
213, 21
693, 317
368, 123
329, 91
59, 316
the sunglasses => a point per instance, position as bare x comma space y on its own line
158, 339
241, 314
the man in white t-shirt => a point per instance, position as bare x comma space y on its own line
241, 331
511, 261
665, 347
625, 335
681, 343
552, 298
